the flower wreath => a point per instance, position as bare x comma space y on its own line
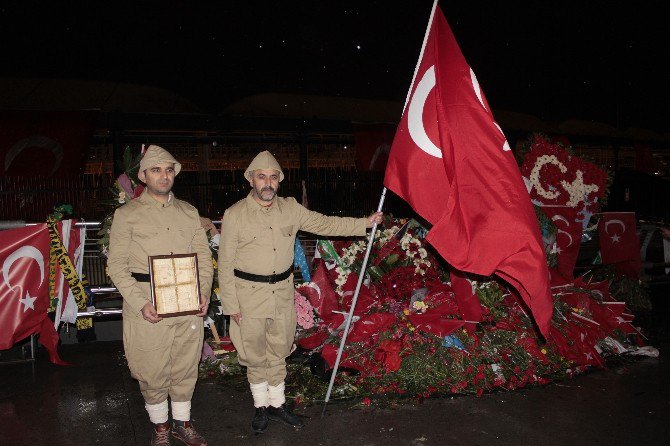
556, 177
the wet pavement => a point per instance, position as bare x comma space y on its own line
97, 402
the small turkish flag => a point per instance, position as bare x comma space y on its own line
320, 292
619, 243
24, 288
568, 237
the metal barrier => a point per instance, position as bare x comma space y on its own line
95, 269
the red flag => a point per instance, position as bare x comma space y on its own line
568, 237
466, 297
618, 237
434, 324
365, 298
44, 143
24, 288
320, 292
452, 163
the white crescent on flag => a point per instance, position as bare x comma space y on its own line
556, 218
27, 252
619, 222
417, 131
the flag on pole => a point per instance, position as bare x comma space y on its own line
24, 288
451, 162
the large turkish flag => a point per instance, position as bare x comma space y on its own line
24, 288
451, 162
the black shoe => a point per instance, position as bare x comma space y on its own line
260, 421
282, 414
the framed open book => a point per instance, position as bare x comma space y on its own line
175, 287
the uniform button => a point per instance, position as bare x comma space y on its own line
193, 327
270, 227
274, 249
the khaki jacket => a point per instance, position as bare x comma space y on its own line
145, 227
260, 240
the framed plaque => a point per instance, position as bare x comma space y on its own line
175, 287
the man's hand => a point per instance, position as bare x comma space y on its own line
376, 217
237, 317
149, 313
204, 305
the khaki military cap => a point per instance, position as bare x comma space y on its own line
156, 155
264, 160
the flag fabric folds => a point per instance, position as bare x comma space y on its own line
24, 288
619, 243
451, 162
568, 238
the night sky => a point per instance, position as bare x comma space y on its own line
590, 59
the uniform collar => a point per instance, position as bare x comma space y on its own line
253, 205
147, 199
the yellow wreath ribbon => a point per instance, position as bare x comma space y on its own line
59, 254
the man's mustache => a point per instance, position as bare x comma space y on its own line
270, 188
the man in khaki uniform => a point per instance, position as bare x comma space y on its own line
162, 353
256, 283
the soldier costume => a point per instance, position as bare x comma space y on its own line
163, 356
255, 279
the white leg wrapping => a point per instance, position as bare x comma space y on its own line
181, 410
276, 394
158, 413
260, 394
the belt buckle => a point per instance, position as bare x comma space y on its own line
272, 279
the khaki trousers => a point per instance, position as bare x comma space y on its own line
164, 358
263, 344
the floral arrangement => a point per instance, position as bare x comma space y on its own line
408, 338
557, 177
304, 311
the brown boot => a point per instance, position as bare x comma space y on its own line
188, 434
160, 435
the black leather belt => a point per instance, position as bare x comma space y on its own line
273, 278
141, 277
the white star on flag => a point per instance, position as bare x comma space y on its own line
615, 238
28, 302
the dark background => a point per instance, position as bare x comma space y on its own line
592, 59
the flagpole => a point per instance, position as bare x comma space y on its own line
423, 48
350, 316
372, 234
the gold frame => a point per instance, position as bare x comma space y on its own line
176, 293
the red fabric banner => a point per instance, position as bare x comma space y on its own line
466, 298
568, 238
44, 143
24, 288
451, 162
